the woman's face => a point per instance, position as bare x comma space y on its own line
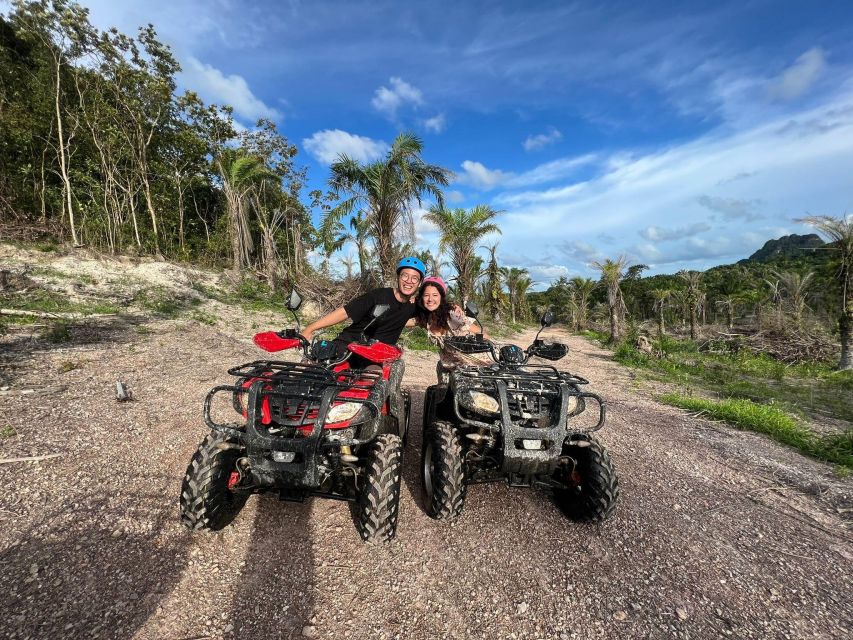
430, 298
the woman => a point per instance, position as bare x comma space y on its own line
442, 320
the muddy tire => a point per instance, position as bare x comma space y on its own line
379, 496
593, 487
206, 500
442, 473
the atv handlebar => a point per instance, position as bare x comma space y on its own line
476, 343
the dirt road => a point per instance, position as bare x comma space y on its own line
718, 533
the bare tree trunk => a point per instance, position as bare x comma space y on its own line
143, 170
692, 322
63, 168
660, 321
614, 324
132, 202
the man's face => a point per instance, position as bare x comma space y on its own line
408, 281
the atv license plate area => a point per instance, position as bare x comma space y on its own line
532, 445
284, 456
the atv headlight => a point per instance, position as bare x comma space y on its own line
479, 402
344, 411
572, 404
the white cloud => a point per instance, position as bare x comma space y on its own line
478, 175
732, 208
800, 76
454, 197
436, 124
785, 168
534, 143
661, 234
700, 249
389, 100
550, 171
548, 272
328, 144
579, 251
214, 86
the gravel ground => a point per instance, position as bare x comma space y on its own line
717, 533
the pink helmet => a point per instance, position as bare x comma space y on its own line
438, 282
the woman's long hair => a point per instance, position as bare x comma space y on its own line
438, 320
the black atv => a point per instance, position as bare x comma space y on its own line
313, 428
517, 422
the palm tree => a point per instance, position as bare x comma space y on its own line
517, 283
349, 263
460, 231
492, 285
694, 298
839, 232
796, 288
660, 297
387, 190
240, 174
359, 235
728, 304
612, 272
776, 297
582, 288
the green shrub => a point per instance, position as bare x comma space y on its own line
770, 420
204, 317
57, 332
416, 339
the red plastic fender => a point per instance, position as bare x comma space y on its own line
377, 352
271, 341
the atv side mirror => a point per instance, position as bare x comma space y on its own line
546, 321
375, 313
471, 309
292, 304
295, 301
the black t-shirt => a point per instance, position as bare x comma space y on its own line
386, 329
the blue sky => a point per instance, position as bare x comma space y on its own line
682, 135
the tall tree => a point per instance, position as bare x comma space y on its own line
492, 284
796, 288
839, 232
387, 190
460, 230
612, 272
694, 297
63, 29
728, 304
660, 297
583, 288
518, 282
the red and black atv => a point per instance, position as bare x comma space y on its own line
313, 428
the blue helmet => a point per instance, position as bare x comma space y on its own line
411, 262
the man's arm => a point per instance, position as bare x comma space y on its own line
335, 317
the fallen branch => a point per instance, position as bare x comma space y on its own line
42, 390
70, 315
29, 458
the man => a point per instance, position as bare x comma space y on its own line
388, 327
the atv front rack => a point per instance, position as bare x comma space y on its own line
529, 380
293, 396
